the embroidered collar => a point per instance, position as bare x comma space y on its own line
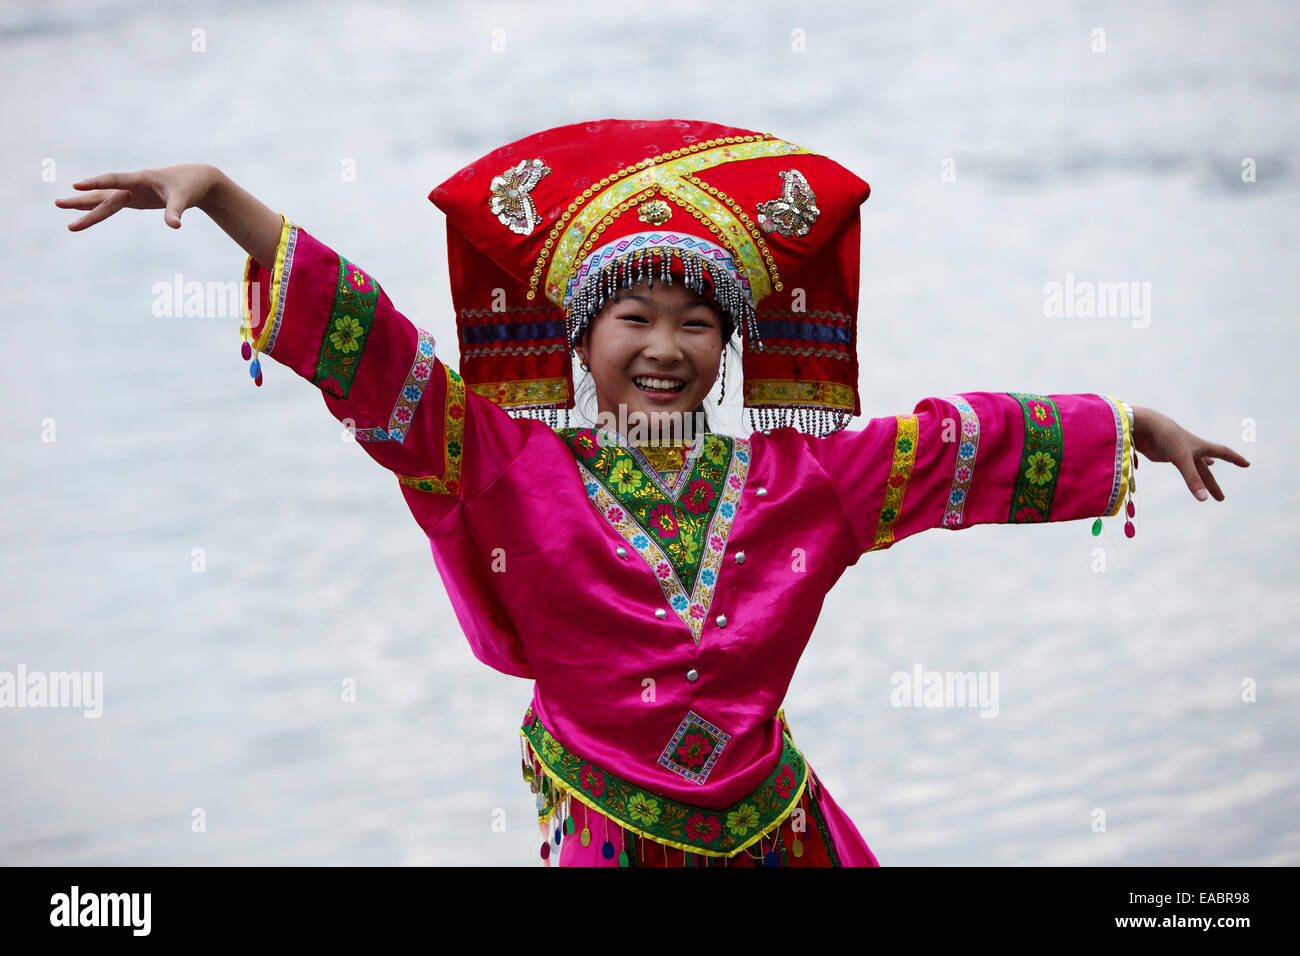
679, 524
661, 459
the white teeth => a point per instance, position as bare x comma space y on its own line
663, 384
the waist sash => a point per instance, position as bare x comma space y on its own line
657, 817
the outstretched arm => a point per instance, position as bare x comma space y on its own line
998, 457
329, 321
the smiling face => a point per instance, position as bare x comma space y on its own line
653, 336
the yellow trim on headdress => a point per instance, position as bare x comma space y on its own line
671, 175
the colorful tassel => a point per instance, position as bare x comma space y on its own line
246, 352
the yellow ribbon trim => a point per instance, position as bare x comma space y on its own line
1128, 457
277, 272
448, 483
781, 391
900, 471
525, 392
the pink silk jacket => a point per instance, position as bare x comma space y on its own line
662, 614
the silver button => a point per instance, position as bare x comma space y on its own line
761, 492
722, 620
740, 557
621, 551
660, 613
692, 675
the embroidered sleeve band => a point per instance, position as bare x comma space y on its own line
979, 458
329, 321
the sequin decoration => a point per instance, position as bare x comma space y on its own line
654, 211
795, 211
511, 202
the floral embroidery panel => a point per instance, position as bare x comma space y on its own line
694, 749
681, 536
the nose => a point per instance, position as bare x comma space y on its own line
663, 345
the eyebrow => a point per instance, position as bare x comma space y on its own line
697, 301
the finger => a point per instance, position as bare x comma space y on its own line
175, 206
1210, 483
111, 204
1187, 466
107, 181
1227, 454
84, 201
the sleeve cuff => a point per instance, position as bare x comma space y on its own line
1123, 455
263, 301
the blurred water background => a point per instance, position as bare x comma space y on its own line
1119, 691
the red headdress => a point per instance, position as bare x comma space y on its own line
541, 232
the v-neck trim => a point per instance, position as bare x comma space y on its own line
673, 488
679, 528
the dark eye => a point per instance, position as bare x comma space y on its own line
635, 318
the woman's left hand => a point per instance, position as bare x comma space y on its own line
1160, 438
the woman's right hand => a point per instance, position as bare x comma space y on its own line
172, 188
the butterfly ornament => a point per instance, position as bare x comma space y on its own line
795, 211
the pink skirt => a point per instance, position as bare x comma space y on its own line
828, 838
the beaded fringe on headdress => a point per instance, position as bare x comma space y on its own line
645, 265
814, 421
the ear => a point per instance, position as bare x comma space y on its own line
581, 347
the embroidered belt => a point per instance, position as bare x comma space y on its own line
658, 817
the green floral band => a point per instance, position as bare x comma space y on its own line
1040, 460
351, 319
665, 820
